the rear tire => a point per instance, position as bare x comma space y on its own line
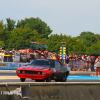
22, 79
64, 78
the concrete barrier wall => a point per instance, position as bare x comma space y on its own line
52, 91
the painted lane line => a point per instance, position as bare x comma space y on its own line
83, 77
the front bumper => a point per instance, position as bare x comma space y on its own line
32, 76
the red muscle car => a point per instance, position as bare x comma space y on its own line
43, 69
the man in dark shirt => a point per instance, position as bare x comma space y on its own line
67, 60
92, 63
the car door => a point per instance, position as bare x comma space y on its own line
59, 70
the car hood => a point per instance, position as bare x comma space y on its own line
30, 67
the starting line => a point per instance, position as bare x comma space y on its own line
83, 77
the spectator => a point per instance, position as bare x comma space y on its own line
31, 56
83, 58
60, 58
10, 57
46, 54
42, 57
88, 60
67, 60
70, 57
28, 56
2, 56
49, 56
92, 63
7, 52
97, 62
55, 56
13, 55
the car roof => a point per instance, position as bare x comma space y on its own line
47, 59
43, 59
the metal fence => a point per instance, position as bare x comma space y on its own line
79, 64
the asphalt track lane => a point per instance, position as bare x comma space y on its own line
74, 76
15, 79
69, 77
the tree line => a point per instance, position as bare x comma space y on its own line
19, 34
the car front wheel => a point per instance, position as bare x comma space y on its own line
22, 79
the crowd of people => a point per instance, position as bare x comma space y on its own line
5, 53
91, 60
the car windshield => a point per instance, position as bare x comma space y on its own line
40, 63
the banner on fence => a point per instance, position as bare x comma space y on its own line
10, 65
17, 57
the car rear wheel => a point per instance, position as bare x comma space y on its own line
37, 80
64, 78
22, 79
48, 79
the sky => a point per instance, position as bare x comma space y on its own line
69, 17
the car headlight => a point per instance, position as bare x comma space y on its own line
43, 73
18, 71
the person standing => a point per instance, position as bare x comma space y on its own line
2, 56
13, 55
92, 63
67, 60
55, 56
97, 63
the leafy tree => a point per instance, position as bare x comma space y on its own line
36, 30
85, 34
20, 38
88, 39
10, 24
79, 47
1, 33
35, 24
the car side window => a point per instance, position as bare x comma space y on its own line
57, 64
51, 64
46, 63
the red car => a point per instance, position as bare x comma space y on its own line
43, 69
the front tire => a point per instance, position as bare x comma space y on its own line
22, 79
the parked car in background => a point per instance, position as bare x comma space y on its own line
42, 70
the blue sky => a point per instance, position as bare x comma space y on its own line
70, 17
